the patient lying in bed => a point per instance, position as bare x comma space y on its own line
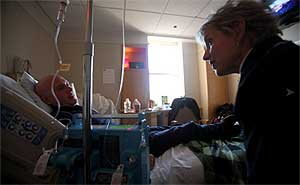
174, 163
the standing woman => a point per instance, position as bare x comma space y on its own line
242, 37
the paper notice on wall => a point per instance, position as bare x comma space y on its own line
108, 76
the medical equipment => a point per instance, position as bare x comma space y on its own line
62, 67
60, 19
28, 132
62, 10
25, 130
119, 153
88, 57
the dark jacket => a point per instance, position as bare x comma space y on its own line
267, 105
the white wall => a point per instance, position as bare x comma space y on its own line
22, 36
292, 33
105, 37
107, 56
191, 70
202, 76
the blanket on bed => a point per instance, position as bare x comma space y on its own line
223, 161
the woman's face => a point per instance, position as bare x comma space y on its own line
222, 51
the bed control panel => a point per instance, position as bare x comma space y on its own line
21, 126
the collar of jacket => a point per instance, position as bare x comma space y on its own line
259, 50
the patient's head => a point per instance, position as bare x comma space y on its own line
62, 89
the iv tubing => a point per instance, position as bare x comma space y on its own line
123, 56
53, 93
122, 64
122, 77
60, 62
55, 41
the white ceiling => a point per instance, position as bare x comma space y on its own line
153, 17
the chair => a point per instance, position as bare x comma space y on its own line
183, 110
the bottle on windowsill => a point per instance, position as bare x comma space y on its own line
136, 106
127, 105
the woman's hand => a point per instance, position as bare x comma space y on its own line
151, 161
231, 125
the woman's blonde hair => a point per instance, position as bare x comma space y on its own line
260, 20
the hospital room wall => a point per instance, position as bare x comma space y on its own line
22, 36
107, 57
191, 71
214, 90
292, 33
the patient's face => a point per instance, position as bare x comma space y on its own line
64, 92
62, 88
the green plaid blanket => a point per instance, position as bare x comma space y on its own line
223, 161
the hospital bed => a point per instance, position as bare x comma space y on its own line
22, 144
27, 131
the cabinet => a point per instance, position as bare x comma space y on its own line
136, 76
153, 118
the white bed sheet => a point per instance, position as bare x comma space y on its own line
178, 165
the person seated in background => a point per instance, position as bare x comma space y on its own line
161, 138
183, 109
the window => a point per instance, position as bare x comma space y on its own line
165, 69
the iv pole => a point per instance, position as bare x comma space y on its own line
88, 58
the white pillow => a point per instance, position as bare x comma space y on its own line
28, 83
101, 104
11, 84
